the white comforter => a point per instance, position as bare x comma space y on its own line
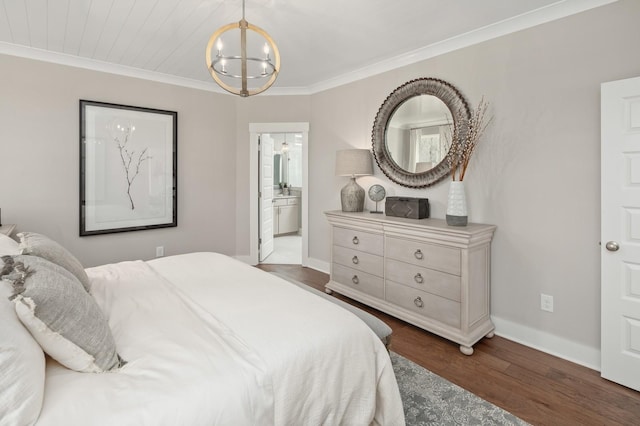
212, 341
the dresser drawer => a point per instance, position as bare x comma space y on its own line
359, 260
429, 280
445, 259
423, 303
359, 240
358, 280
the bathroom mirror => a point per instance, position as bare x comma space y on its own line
278, 171
412, 131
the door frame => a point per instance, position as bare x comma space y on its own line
255, 129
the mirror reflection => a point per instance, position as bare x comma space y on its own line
287, 160
418, 133
411, 131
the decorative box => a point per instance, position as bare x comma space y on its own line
410, 207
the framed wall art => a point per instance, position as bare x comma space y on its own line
128, 168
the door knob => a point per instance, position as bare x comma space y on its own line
612, 246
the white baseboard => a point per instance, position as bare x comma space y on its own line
546, 342
319, 265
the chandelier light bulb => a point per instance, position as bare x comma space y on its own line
244, 66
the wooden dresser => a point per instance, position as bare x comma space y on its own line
425, 272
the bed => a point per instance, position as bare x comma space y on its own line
208, 340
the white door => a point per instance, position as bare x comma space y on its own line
620, 255
266, 196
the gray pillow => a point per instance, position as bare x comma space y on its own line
61, 316
42, 246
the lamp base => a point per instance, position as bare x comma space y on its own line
352, 197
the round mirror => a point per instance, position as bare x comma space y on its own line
412, 131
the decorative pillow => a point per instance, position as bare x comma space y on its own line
63, 318
45, 247
21, 367
8, 246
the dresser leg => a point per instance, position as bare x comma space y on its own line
328, 291
490, 335
467, 350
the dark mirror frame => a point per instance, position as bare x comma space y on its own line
444, 91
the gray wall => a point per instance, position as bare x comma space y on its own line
536, 175
39, 152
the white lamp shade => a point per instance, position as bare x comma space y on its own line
354, 162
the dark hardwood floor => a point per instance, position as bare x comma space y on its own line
537, 387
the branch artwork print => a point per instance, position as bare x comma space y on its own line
131, 160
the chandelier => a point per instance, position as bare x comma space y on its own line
254, 74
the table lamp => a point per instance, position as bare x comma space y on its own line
353, 162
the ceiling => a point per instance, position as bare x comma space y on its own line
322, 43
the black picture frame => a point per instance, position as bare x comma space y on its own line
128, 168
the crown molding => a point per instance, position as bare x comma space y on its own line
530, 19
552, 12
286, 91
95, 65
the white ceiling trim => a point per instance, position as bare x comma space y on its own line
95, 65
527, 20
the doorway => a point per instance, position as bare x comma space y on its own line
279, 193
281, 230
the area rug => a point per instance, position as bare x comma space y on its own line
429, 399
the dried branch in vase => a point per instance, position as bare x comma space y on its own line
464, 139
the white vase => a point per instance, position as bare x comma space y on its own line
457, 205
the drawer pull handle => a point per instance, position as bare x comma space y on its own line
418, 254
355, 260
355, 240
418, 302
355, 279
418, 278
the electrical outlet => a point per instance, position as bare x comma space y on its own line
159, 251
546, 302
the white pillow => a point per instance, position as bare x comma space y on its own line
22, 367
8, 246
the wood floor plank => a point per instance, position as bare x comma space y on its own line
537, 387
